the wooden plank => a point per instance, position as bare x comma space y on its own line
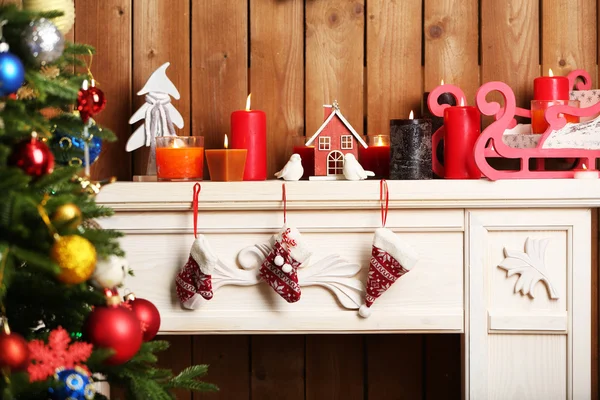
569, 36
395, 367
452, 44
394, 73
177, 358
228, 357
277, 367
334, 60
442, 367
161, 29
277, 73
112, 69
334, 367
510, 45
219, 66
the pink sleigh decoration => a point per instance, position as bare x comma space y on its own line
491, 144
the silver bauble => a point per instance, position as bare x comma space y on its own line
42, 41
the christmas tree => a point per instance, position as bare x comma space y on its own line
62, 322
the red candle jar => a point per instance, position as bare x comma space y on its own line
249, 131
307, 155
463, 126
376, 157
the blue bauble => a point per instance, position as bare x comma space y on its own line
76, 385
12, 73
69, 150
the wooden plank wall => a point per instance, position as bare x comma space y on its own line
376, 57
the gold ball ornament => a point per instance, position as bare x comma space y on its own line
63, 23
76, 257
68, 214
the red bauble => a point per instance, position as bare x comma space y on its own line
33, 157
90, 102
14, 352
148, 315
117, 328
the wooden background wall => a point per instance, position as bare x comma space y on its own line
376, 57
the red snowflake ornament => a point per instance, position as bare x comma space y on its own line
59, 352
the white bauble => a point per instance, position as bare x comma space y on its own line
110, 272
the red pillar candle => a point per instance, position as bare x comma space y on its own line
249, 131
551, 87
549, 91
463, 125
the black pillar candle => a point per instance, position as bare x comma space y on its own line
410, 150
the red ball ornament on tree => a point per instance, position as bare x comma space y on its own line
14, 351
90, 101
33, 157
146, 313
114, 327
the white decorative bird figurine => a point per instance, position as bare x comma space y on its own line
292, 170
353, 171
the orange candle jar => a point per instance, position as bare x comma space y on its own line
179, 158
226, 165
538, 109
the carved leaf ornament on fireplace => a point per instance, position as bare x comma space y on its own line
530, 266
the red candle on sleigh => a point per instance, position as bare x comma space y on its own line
463, 126
249, 131
549, 91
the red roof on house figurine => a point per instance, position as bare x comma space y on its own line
334, 139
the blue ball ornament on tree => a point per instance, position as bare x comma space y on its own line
69, 149
75, 384
12, 71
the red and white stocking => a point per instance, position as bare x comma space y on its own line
280, 268
194, 280
391, 258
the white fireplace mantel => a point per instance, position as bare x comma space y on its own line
482, 248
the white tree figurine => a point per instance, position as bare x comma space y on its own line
158, 113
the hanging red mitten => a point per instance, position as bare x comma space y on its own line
391, 258
289, 252
280, 268
194, 281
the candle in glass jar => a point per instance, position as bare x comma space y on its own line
463, 125
179, 158
226, 165
376, 157
549, 91
410, 154
249, 131
307, 155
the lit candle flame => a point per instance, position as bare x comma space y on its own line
442, 82
462, 102
584, 167
248, 102
226, 141
411, 115
550, 73
379, 142
176, 144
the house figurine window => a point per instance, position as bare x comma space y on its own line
324, 143
347, 142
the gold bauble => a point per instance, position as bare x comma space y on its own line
76, 257
68, 215
64, 23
